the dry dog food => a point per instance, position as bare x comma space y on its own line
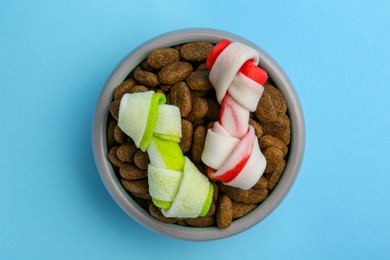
180, 74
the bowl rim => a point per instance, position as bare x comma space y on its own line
120, 196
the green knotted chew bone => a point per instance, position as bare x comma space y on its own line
163, 185
193, 193
168, 124
165, 154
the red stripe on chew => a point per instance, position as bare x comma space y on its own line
215, 51
254, 72
230, 174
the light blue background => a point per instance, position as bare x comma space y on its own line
55, 57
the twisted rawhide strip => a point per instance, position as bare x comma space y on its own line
231, 148
175, 184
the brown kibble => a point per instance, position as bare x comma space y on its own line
224, 215
141, 159
119, 135
256, 195
110, 132
139, 89
212, 209
166, 87
199, 81
273, 155
198, 139
280, 129
257, 127
201, 66
114, 158
181, 222
141, 195
114, 108
271, 105
216, 192
155, 212
199, 110
131, 172
274, 177
234, 193
124, 87
162, 56
146, 67
126, 152
196, 51
186, 139
201, 221
261, 183
180, 96
146, 78
136, 186
241, 209
174, 72
144, 203
268, 140
214, 109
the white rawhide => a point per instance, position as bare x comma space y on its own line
231, 148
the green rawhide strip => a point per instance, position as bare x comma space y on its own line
163, 185
156, 100
208, 201
165, 154
168, 124
193, 193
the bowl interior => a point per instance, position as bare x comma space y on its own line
115, 188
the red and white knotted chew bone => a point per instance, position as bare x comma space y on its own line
231, 148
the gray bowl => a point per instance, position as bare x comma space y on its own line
112, 183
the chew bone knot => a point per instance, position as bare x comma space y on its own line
175, 184
231, 148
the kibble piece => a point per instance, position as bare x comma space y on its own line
146, 78
241, 209
124, 87
201, 66
144, 203
198, 139
127, 151
196, 51
256, 195
139, 89
114, 158
141, 159
155, 212
146, 67
271, 105
180, 96
268, 140
174, 72
162, 56
280, 128
119, 135
110, 132
136, 186
273, 177
199, 109
201, 221
234, 193
261, 183
214, 109
212, 209
273, 155
224, 215
257, 127
216, 192
131, 172
141, 195
199, 80
114, 108
186, 139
